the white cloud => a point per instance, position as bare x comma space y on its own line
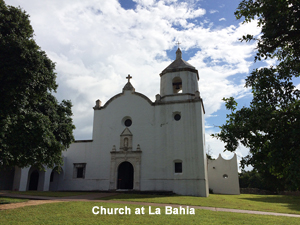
213, 11
145, 2
96, 44
271, 62
222, 19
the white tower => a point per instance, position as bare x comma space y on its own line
180, 113
179, 81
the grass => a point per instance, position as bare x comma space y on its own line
7, 200
267, 203
50, 193
81, 213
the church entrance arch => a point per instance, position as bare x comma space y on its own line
125, 163
125, 176
34, 180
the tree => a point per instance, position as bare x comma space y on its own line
253, 179
270, 126
34, 127
209, 153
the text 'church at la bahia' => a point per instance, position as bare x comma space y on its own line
141, 145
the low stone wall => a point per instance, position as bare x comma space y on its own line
297, 193
256, 191
265, 192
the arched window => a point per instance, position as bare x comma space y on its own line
177, 85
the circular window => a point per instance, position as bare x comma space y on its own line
128, 122
177, 117
225, 176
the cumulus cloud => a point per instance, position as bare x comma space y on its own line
222, 19
96, 44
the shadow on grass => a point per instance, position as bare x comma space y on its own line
8, 200
139, 195
269, 203
51, 193
291, 202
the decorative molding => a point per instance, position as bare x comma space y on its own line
119, 95
179, 70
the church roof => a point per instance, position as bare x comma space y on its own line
179, 65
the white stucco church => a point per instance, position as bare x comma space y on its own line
142, 145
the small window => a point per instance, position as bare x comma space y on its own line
225, 176
79, 170
178, 167
177, 117
128, 122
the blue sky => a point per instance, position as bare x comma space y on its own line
97, 43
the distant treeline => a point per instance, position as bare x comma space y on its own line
262, 181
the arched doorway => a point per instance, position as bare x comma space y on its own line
34, 180
125, 176
56, 179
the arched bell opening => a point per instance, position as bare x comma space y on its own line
177, 85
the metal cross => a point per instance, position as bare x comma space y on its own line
128, 77
178, 43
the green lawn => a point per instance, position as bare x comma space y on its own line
81, 213
268, 203
7, 200
49, 193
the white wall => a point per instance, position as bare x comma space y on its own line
217, 171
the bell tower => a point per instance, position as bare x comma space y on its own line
179, 81
179, 118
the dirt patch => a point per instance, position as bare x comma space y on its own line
38, 200
29, 203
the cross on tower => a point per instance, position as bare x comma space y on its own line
178, 43
128, 77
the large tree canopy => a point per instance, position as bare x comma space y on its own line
270, 126
34, 127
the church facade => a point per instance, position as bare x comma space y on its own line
138, 144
